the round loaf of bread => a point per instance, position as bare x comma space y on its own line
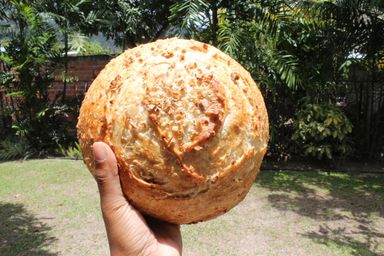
188, 126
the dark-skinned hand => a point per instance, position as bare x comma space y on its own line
129, 232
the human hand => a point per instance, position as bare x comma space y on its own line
128, 231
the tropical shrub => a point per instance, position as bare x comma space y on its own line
93, 48
14, 148
73, 151
321, 131
28, 59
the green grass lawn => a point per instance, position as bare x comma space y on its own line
51, 207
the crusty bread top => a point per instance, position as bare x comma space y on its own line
180, 115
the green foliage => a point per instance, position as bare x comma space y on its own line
230, 38
130, 22
250, 31
321, 131
12, 148
69, 17
73, 151
190, 15
278, 42
363, 31
93, 48
28, 60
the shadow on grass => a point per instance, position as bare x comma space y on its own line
341, 238
323, 196
355, 201
21, 233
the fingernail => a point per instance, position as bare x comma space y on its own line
99, 153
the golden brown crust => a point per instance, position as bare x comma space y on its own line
188, 126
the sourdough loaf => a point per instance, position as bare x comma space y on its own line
188, 126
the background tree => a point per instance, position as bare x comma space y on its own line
298, 51
27, 60
363, 25
130, 22
70, 18
316, 61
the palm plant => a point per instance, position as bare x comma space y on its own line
249, 31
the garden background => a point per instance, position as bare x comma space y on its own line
319, 65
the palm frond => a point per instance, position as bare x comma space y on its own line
229, 38
281, 66
287, 68
190, 14
77, 41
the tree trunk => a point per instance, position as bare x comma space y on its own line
370, 121
66, 49
161, 33
215, 22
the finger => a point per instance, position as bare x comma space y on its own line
106, 173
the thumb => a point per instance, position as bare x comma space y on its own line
107, 176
